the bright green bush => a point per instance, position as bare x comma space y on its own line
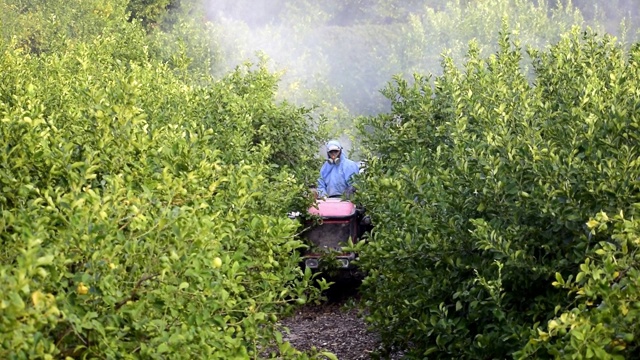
143, 207
149, 13
41, 26
482, 188
602, 322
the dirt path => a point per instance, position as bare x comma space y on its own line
333, 326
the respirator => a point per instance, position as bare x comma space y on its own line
334, 147
335, 161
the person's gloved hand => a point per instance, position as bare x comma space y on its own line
320, 195
350, 191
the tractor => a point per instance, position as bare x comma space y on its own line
329, 226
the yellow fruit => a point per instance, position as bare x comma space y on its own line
217, 263
37, 297
82, 289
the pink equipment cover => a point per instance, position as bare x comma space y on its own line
333, 208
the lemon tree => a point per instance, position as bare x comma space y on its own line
144, 204
485, 187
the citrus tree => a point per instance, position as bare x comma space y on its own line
144, 204
482, 188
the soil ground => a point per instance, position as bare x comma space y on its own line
334, 326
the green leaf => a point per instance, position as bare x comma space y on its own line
330, 356
162, 348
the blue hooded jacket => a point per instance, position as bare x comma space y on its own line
335, 179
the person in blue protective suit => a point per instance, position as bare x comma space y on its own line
336, 173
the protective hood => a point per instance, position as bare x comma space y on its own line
333, 145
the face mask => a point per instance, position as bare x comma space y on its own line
335, 161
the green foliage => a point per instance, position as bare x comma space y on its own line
149, 12
338, 54
144, 205
602, 323
41, 26
183, 41
480, 189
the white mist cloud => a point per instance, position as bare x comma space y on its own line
338, 55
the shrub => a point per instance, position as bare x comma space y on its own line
482, 188
143, 213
